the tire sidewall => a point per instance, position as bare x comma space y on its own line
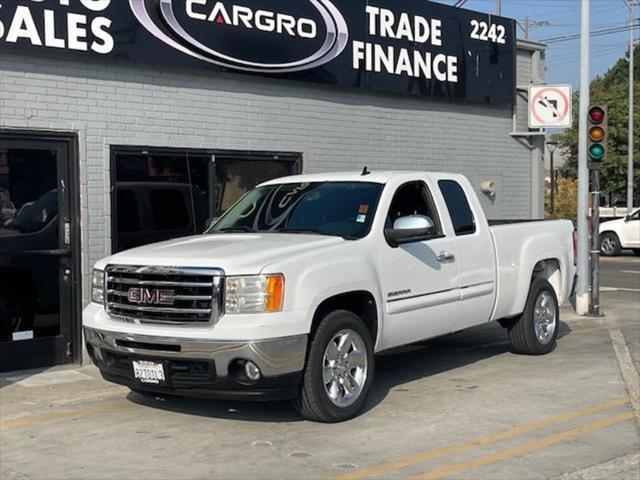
330, 325
539, 286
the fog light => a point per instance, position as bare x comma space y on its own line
252, 371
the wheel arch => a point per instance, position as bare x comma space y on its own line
549, 269
360, 302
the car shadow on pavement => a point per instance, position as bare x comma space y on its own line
394, 369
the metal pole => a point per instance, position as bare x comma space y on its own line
498, 7
631, 101
582, 286
595, 242
553, 186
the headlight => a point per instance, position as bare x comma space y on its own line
97, 286
255, 294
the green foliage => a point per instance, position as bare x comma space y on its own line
611, 90
566, 201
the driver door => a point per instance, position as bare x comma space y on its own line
631, 231
420, 280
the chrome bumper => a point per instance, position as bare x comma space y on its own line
274, 357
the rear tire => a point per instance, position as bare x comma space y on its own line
535, 332
339, 370
636, 251
610, 245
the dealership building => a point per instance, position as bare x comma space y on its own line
125, 123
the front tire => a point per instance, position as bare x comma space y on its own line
610, 245
535, 332
339, 371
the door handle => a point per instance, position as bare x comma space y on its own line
446, 257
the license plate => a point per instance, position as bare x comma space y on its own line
148, 372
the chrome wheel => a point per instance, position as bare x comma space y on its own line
344, 370
608, 245
544, 317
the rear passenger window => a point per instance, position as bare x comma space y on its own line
461, 215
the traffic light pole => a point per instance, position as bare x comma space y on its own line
582, 285
630, 5
553, 184
594, 307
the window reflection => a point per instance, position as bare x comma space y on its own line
161, 195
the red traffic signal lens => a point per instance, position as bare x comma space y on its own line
596, 152
596, 134
596, 115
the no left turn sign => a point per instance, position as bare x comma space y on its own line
550, 106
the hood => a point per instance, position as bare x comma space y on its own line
608, 225
236, 254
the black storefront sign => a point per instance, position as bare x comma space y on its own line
410, 46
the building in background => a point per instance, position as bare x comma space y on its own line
118, 129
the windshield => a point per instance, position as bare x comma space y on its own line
344, 209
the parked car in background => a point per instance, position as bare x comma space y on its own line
295, 288
621, 234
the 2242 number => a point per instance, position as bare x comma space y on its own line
488, 33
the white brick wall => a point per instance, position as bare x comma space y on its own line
124, 104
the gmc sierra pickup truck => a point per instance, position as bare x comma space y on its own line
292, 292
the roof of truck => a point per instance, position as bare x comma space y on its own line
375, 176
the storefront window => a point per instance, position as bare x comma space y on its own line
163, 194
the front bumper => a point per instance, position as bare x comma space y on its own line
202, 368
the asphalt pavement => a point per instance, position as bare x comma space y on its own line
460, 407
621, 272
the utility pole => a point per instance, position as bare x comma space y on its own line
582, 286
526, 25
630, 6
498, 7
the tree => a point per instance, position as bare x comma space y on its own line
611, 90
566, 201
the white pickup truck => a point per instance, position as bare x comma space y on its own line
294, 290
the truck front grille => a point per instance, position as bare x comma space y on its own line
164, 295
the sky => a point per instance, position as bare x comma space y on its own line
563, 16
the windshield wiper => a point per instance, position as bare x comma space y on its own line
237, 230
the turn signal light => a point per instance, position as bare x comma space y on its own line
274, 293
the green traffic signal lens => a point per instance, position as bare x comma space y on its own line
596, 152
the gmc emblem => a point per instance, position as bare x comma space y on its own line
150, 296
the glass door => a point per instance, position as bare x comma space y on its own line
35, 254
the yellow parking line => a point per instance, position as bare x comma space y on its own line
524, 448
81, 412
506, 434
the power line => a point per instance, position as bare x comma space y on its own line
594, 33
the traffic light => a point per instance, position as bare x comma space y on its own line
597, 134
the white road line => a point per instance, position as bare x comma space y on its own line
630, 271
619, 289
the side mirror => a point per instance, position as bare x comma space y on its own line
410, 229
627, 218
